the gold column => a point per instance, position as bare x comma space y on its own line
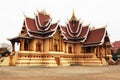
61, 45
109, 50
105, 51
43, 45
73, 50
65, 48
98, 53
13, 46
22, 44
49, 44
11, 60
95, 50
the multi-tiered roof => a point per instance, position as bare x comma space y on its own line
40, 26
73, 32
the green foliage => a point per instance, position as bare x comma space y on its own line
115, 55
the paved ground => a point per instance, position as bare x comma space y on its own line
61, 73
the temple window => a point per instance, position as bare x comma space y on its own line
56, 44
69, 49
38, 46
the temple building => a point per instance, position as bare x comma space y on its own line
44, 43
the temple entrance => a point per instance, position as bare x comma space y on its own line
55, 47
38, 46
57, 59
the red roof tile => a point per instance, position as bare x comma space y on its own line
30, 24
41, 27
95, 36
116, 46
65, 33
42, 36
75, 33
73, 26
43, 19
63, 28
84, 31
53, 26
36, 30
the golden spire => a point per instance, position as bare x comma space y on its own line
73, 16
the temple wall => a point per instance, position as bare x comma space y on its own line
46, 45
108, 51
21, 44
66, 48
77, 49
63, 47
32, 45
31, 58
70, 44
51, 44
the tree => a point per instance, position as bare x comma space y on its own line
6, 45
115, 55
5, 49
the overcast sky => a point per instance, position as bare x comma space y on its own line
97, 13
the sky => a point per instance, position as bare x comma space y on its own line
97, 13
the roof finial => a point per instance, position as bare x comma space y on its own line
93, 28
35, 13
24, 14
37, 10
73, 16
58, 20
105, 25
43, 12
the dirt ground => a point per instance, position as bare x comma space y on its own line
61, 73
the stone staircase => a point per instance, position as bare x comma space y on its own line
4, 61
83, 59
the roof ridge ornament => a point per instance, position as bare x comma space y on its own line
35, 14
25, 16
58, 21
43, 12
106, 26
93, 28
